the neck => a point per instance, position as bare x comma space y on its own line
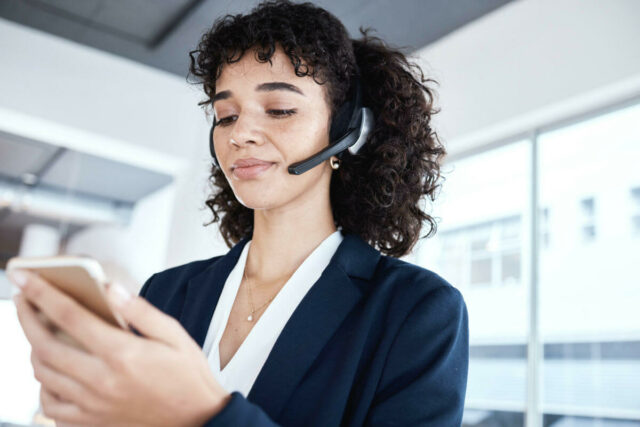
284, 237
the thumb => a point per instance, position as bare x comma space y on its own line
144, 317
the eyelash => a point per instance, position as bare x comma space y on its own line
283, 113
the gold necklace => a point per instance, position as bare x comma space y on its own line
250, 317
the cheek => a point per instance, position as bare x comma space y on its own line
222, 148
295, 184
305, 138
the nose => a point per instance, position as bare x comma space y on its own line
246, 131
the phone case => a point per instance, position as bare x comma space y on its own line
80, 277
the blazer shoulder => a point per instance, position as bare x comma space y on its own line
408, 275
402, 284
425, 348
190, 268
173, 276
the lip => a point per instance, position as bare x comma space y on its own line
251, 167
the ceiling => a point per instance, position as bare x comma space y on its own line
38, 164
65, 189
160, 33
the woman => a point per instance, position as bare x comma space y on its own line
303, 321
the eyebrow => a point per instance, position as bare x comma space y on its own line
263, 87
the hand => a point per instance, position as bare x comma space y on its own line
114, 377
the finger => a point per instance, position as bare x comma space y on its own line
59, 333
61, 386
147, 319
92, 332
77, 364
54, 408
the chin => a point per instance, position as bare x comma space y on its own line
256, 199
273, 191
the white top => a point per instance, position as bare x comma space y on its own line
242, 370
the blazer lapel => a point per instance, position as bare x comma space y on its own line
203, 293
313, 322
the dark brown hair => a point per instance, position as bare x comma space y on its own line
377, 193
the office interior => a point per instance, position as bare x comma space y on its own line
104, 152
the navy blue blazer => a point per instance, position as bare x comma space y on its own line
376, 341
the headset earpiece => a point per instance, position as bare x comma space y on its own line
349, 130
211, 148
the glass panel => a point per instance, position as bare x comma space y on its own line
543, 224
635, 211
511, 268
588, 219
635, 221
481, 271
589, 277
480, 243
479, 250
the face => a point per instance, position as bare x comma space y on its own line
266, 112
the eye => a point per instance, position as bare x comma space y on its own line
283, 112
277, 113
224, 121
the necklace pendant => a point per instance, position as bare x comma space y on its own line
250, 318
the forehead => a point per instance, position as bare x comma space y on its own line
248, 72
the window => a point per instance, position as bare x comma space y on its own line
588, 294
481, 258
453, 257
635, 210
490, 252
510, 251
544, 228
587, 211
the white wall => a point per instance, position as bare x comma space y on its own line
129, 255
515, 66
189, 239
84, 88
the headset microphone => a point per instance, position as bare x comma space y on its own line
350, 128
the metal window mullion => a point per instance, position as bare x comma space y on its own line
534, 416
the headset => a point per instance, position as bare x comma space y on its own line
349, 130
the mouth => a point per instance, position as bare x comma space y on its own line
252, 171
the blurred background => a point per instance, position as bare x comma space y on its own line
103, 152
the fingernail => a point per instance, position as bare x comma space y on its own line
18, 277
120, 294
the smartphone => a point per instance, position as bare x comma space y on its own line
80, 277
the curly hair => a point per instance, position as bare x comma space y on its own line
377, 193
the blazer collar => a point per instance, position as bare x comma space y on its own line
307, 331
